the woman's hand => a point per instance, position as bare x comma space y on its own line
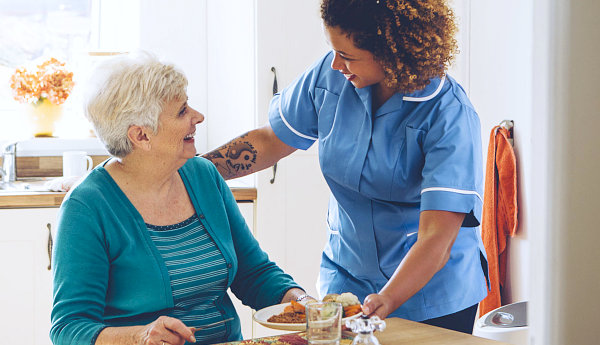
163, 331
166, 331
377, 304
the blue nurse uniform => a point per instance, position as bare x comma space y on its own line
418, 151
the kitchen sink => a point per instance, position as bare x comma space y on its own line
24, 185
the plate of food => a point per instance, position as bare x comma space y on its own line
291, 317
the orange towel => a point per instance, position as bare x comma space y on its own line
499, 212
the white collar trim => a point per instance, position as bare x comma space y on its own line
426, 98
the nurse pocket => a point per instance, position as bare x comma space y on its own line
407, 175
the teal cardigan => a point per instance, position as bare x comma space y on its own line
108, 272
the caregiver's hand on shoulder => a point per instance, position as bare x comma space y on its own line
377, 304
166, 331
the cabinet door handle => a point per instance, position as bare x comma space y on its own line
49, 226
275, 90
275, 87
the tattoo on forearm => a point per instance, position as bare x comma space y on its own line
241, 155
234, 158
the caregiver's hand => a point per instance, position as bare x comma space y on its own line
378, 304
166, 331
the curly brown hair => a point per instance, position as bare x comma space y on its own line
413, 40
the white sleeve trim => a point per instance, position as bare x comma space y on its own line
426, 98
292, 128
452, 190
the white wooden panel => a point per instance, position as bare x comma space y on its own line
306, 225
26, 290
291, 212
17, 291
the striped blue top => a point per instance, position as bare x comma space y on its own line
198, 273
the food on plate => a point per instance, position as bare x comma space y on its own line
352, 310
349, 302
347, 299
294, 313
330, 297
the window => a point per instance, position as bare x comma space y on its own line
210, 41
30, 32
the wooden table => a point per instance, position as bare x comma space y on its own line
400, 331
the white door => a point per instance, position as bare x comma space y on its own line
290, 220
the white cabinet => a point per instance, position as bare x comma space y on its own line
26, 281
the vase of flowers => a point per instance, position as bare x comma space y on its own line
43, 89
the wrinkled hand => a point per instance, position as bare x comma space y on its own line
166, 331
376, 304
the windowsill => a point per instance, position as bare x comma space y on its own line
38, 147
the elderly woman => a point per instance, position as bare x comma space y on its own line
148, 244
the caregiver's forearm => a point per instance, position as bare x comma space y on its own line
249, 153
437, 233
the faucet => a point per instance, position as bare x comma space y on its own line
9, 171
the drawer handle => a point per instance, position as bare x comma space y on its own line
49, 226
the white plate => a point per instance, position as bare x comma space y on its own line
261, 316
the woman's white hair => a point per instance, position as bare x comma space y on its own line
129, 90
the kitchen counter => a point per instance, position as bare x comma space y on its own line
51, 166
54, 199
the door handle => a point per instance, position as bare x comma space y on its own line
275, 90
49, 246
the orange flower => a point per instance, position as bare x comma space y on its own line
49, 80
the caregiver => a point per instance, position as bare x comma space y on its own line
400, 148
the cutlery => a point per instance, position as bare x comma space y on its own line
194, 329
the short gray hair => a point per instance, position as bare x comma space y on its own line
129, 90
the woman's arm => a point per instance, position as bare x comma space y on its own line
165, 330
437, 233
295, 294
249, 153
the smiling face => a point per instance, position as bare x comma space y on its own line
357, 65
176, 130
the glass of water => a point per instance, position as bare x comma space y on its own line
323, 323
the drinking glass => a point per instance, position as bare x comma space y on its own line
323, 323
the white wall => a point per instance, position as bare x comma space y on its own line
572, 275
231, 69
501, 88
176, 32
536, 62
